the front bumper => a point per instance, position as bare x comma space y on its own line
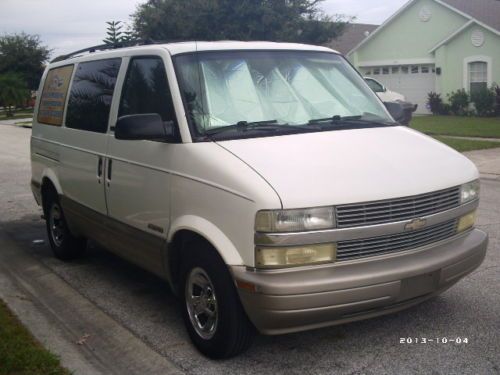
293, 300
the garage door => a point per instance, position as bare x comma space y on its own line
413, 81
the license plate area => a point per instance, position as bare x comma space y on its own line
420, 285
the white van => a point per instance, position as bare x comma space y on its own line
265, 181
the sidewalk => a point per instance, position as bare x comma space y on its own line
473, 138
14, 121
87, 340
487, 161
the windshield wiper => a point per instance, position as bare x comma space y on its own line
334, 118
243, 126
342, 121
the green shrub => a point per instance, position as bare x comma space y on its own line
484, 101
496, 90
445, 109
459, 102
435, 103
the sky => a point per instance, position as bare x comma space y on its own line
69, 25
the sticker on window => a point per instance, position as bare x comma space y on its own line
54, 93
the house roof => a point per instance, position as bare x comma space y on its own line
482, 12
485, 11
353, 34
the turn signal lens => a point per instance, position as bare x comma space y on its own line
466, 221
276, 257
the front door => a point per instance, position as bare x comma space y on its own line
137, 172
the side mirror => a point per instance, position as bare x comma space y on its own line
148, 126
396, 110
384, 89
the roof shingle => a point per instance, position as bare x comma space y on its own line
353, 34
485, 11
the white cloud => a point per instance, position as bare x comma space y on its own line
69, 25
63, 25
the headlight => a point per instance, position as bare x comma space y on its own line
466, 221
469, 191
295, 220
276, 257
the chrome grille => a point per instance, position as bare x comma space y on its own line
385, 211
352, 249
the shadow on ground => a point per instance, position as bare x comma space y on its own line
144, 304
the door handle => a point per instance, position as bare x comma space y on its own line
108, 172
99, 169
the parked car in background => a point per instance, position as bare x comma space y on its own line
382, 92
401, 110
266, 182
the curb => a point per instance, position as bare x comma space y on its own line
87, 340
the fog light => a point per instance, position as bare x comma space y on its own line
466, 221
275, 257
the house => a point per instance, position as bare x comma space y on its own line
434, 45
352, 35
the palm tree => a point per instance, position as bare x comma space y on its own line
13, 91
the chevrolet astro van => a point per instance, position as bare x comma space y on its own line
266, 182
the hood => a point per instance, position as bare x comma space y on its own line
349, 166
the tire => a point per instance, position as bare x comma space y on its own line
228, 333
64, 245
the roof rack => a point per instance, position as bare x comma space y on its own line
105, 47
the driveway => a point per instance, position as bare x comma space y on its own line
143, 306
487, 161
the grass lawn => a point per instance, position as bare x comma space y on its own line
17, 114
20, 353
463, 145
486, 127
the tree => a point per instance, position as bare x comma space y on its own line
274, 20
116, 36
24, 55
13, 91
114, 32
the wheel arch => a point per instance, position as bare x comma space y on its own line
49, 177
189, 228
49, 182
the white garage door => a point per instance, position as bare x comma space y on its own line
413, 81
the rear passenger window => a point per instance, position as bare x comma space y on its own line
91, 94
55, 89
146, 90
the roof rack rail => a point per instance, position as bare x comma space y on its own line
104, 47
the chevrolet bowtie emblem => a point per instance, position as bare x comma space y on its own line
415, 224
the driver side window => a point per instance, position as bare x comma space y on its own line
146, 89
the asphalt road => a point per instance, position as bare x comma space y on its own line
142, 303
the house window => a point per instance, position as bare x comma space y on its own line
478, 76
404, 69
395, 69
425, 69
414, 69
376, 71
368, 72
385, 70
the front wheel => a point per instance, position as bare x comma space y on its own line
212, 311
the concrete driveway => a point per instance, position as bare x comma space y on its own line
487, 161
139, 307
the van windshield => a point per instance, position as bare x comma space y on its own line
246, 94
